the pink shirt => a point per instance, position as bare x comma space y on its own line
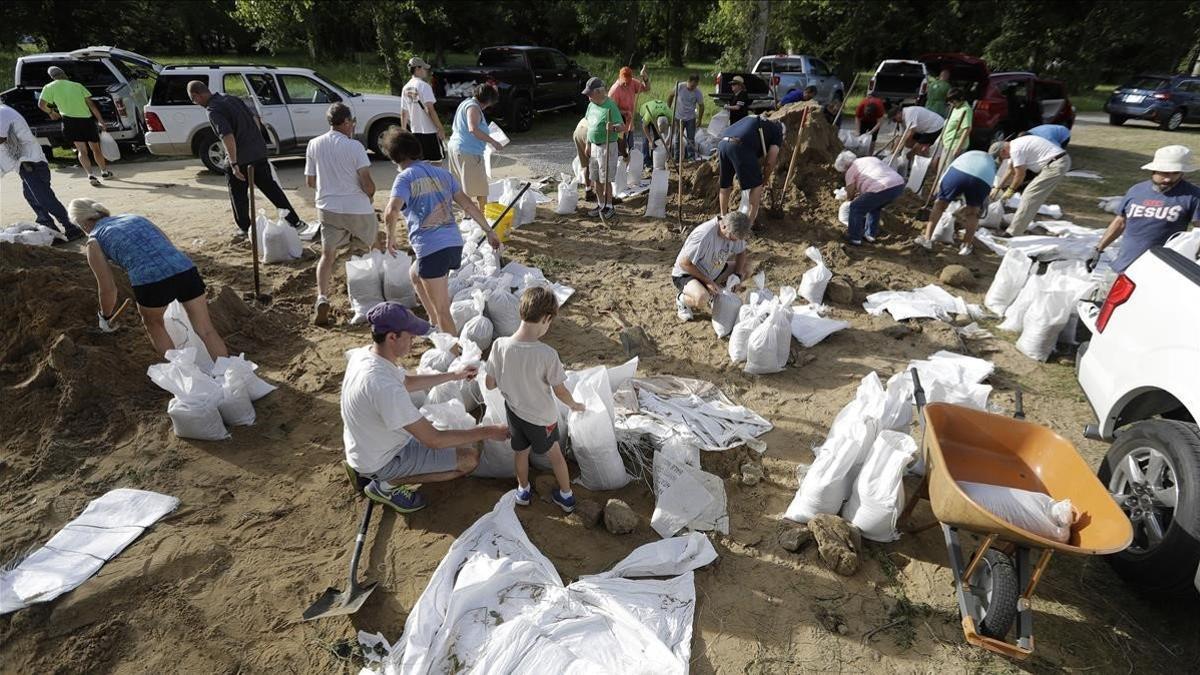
625, 92
870, 174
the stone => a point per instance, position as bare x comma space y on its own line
794, 537
896, 331
637, 342
838, 543
840, 291
619, 518
957, 276
751, 473
590, 512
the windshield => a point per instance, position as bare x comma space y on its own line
87, 73
501, 58
903, 69
1150, 83
337, 86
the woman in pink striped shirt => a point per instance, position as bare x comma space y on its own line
871, 185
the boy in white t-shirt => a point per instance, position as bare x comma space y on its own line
530, 376
417, 113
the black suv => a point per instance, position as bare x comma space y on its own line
1169, 100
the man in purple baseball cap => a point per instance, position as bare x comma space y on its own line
388, 442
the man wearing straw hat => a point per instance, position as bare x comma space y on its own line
1154, 209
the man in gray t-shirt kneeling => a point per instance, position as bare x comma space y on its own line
703, 264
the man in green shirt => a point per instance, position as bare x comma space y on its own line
604, 126
656, 122
81, 119
935, 94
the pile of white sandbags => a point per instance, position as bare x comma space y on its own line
1037, 299
204, 403
376, 277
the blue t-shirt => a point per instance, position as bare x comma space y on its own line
1151, 217
1055, 133
461, 139
976, 163
793, 96
139, 248
427, 193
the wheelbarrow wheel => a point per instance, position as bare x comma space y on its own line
996, 591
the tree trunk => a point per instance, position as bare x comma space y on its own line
675, 33
632, 33
386, 44
759, 27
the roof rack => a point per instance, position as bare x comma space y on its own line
178, 66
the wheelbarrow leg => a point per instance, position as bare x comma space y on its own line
1025, 580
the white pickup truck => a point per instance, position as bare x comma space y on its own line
1140, 372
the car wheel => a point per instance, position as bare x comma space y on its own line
1174, 121
1116, 120
1152, 471
211, 152
375, 136
520, 118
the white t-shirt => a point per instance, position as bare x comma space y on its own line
415, 95
708, 250
21, 146
1032, 152
526, 373
923, 120
335, 158
375, 409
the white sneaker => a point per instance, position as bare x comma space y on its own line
966, 249
682, 310
322, 311
923, 243
869, 238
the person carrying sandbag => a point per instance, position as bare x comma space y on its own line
159, 273
870, 185
970, 178
704, 264
1030, 153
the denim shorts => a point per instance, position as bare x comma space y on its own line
957, 184
415, 459
439, 263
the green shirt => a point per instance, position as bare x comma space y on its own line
598, 117
652, 110
69, 97
957, 126
935, 96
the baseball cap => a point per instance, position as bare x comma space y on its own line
418, 62
738, 79
56, 72
592, 85
393, 317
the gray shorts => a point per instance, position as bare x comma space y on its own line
338, 229
415, 459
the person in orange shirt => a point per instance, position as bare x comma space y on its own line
624, 92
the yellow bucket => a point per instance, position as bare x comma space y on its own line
504, 227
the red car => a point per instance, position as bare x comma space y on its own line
1005, 103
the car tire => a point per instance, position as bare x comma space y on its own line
1174, 121
1116, 120
520, 115
211, 152
375, 135
1167, 567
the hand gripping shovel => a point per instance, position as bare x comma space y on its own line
336, 603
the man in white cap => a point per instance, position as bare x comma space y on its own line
1154, 209
1030, 153
417, 113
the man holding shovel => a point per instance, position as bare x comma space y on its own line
604, 126
656, 124
744, 149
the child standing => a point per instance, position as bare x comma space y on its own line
530, 376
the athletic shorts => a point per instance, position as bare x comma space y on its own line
682, 281
740, 161
415, 459
926, 139
470, 173
439, 263
431, 147
957, 184
339, 229
529, 436
185, 286
80, 129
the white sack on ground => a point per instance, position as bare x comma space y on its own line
634, 177
236, 408
878, 494
809, 327
725, 308
620, 179
439, 358
697, 413
397, 284
496, 458
656, 202
1010, 279
718, 123
686, 497
1034, 512
749, 316
256, 386
364, 284
278, 240
760, 293
930, 301
844, 212
1111, 204
1048, 313
770, 342
183, 336
1052, 210
943, 230
593, 437
478, 328
568, 195
814, 281
993, 215
503, 308
194, 410
916, 174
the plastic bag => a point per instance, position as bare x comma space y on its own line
878, 494
397, 284
503, 308
440, 357
809, 327
1014, 316
576, 171
478, 329
725, 308
770, 343
636, 164
194, 410
448, 416
814, 281
109, 147
1047, 314
1185, 243
943, 231
744, 202
993, 217
364, 284
844, 213
658, 157
718, 124
656, 201
236, 408
1034, 512
593, 438
278, 241
840, 194
760, 293
916, 175
749, 316
255, 385
620, 179
568, 196
1010, 279
183, 336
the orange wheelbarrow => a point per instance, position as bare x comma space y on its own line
995, 585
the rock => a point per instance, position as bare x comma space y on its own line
840, 291
590, 512
794, 537
838, 543
896, 331
637, 342
619, 518
957, 275
751, 473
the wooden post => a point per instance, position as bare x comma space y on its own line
679, 132
253, 229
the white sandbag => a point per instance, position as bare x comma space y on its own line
656, 201
898, 402
658, 157
503, 308
255, 385
1047, 314
463, 309
109, 147
943, 231
878, 494
760, 293
844, 212
568, 196
749, 317
196, 420
448, 416
916, 175
446, 392
364, 284
236, 407
636, 164
478, 329
278, 240
744, 202
195, 408
993, 217
706, 144
1014, 316
1010, 279
397, 284
809, 327
686, 496
725, 308
900, 164
440, 357
593, 438
718, 123
770, 343
526, 208
1111, 204
1034, 512
620, 179
496, 457
183, 336
814, 281
1185, 243
576, 171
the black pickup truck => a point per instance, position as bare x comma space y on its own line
531, 80
756, 87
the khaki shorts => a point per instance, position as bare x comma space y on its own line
468, 171
597, 162
337, 229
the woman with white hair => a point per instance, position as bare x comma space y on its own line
870, 185
158, 272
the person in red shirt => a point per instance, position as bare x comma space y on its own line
624, 92
870, 114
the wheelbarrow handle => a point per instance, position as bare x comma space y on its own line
918, 392
1019, 413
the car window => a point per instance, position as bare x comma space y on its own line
541, 61
818, 67
264, 88
780, 66
1191, 86
87, 73
301, 89
560, 61
1150, 83
1050, 90
172, 90
501, 58
903, 69
132, 70
234, 85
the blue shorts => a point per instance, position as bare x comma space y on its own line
957, 184
439, 263
737, 159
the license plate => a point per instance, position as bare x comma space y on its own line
1134, 98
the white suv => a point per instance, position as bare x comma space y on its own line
291, 102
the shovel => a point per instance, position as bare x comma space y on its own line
258, 295
336, 603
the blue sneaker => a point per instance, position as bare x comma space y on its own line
565, 503
524, 496
402, 499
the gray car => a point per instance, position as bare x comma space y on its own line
785, 72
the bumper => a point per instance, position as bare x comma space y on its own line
1135, 110
158, 143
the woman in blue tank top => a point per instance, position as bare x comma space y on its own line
158, 272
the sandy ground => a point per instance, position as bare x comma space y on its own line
267, 518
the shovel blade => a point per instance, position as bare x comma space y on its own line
334, 602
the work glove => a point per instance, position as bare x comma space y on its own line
1008, 194
1092, 260
105, 326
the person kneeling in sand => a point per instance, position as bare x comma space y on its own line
530, 376
388, 442
703, 264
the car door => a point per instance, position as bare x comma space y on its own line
1191, 96
271, 108
548, 86
820, 76
567, 86
306, 100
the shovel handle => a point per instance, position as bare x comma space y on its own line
509, 207
918, 392
358, 543
1019, 413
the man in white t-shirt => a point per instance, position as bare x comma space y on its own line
712, 253
417, 113
337, 167
389, 444
922, 127
1030, 153
20, 152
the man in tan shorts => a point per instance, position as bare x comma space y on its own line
583, 152
337, 167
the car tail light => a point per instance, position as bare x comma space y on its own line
1163, 95
153, 123
871, 85
1119, 294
